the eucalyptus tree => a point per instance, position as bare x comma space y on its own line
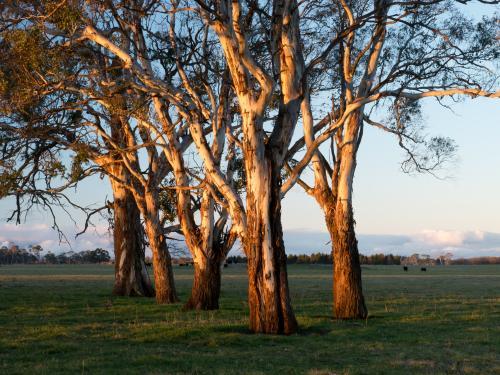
237, 26
232, 77
385, 57
38, 119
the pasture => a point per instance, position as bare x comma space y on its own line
62, 319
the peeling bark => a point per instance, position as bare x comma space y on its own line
206, 286
348, 299
145, 194
262, 239
336, 203
162, 263
209, 246
131, 278
268, 293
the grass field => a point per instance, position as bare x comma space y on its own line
62, 319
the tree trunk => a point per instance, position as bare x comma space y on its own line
348, 297
207, 251
268, 294
162, 263
131, 278
206, 286
348, 300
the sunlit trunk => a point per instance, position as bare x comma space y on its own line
268, 294
208, 255
336, 203
162, 263
260, 224
131, 278
206, 286
348, 297
348, 300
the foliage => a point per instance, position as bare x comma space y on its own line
235, 259
16, 255
314, 258
475, 261
65, 15
380, 259
83, 257
168, 202
80, 159
321, 258
32, 255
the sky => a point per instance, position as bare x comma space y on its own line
394, 212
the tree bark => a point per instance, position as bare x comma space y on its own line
162, 263
268, 294
261, 232
348, 299
208, 248
206, 286
131, 277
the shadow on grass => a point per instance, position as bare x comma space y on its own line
241, 329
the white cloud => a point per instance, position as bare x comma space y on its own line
49, 244
433, 242
453, 238
44, 235
440, 238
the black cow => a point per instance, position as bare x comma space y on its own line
423, 269
405, 269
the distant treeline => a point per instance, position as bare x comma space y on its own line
32, 255
475, 261
322, 258
381, 259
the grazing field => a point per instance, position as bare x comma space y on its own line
56, 319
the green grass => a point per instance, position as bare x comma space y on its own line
62, 319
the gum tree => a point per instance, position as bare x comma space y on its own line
37, 117
386, 56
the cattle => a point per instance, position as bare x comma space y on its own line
405, 269
423, 269
225, 265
